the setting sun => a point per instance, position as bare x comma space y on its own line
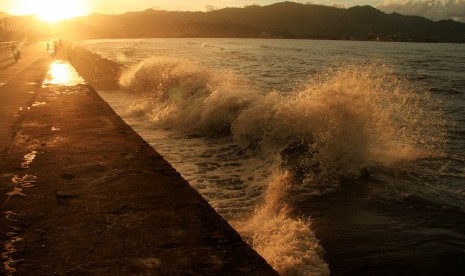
52, 10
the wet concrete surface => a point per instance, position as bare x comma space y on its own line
19, 82
83, 194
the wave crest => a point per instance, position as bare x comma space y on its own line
341, 123
180, 94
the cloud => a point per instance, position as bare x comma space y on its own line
432, 9
209, 8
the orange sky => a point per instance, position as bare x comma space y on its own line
121, 6
60, 9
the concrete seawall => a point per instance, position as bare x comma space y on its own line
86, 195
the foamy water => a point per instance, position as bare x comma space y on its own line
262, 128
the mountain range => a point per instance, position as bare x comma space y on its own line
280, 20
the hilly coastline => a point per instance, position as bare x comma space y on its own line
281, 20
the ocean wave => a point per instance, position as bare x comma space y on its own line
343, 120
178, 94
337, 125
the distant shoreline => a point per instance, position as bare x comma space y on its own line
285, 20
281, 38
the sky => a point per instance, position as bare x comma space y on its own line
121, 6
433, 9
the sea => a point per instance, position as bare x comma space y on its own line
327, 157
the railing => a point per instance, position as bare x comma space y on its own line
9, 45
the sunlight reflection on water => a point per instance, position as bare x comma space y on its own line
62, 73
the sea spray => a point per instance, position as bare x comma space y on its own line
337, 125
175, 93
286, 242
358, 112
344, 122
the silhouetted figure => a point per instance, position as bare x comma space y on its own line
15, 51
48, 46
17, 55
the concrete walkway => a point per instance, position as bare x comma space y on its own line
85, 195
18, 83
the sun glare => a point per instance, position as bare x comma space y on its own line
52, 10
62, 73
